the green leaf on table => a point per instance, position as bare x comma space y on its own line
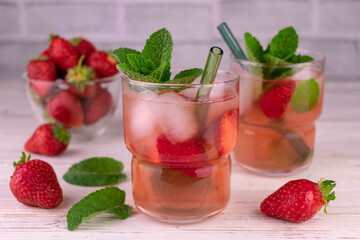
306, 96
284, 44
97, 171
107, 200
158, 47
121, 54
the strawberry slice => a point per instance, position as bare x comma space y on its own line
188, 157
274, 101
227, 133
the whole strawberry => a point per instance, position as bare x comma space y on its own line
65, 108
34, 183
42, 72
103, 63
48, 139
82, 46
63, 53
275, 100
80, 79
299, 200
97, 106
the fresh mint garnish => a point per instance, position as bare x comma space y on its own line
97, 171
284, 44
254, 50
158, 47
121, 54
108, 200
153, 63
280, 52
306, 96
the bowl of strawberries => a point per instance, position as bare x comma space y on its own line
75, 85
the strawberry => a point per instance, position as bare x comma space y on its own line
65, 108
226, 134
274, 101
63, 53
188, 157
298, 200
97, 106
48, 139
45, 53
80, 79
41, 72
34, 183
104, 64
82, 46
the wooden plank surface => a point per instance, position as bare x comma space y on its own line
337, 156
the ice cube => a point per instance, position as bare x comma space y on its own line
306, 73
142, 122
175, 116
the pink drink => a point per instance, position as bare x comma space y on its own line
283, 145
181, 164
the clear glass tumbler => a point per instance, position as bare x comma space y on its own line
181, 146
278, 107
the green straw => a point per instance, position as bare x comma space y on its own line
231, 41
208, 77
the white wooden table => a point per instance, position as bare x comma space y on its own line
337, 157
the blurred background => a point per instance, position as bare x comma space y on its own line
329, 26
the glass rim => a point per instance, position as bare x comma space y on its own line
235, 78
62, 81
321, 59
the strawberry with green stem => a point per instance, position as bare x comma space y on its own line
80, 79
34, 183
299, 200
103, 63
48, 139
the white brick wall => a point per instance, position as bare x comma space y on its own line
330, 26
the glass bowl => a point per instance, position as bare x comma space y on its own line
93, 112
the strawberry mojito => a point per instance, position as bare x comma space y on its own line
181, 164
281, 91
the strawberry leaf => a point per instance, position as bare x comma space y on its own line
108, 200
97, 171
61, 134
327, 187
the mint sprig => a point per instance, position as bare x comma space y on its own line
152, 64
279, 52
108, 200
97, 171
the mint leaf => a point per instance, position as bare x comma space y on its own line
121, 54
158, 47
98, 171
284, 44
107, 200
254, 50
140, 64
162, 73
133, 75
300, 59
306, 96
186, 76
276, 69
